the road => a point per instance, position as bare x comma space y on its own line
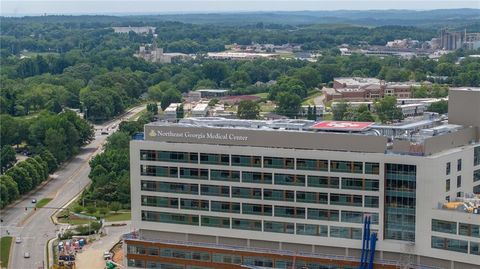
35, 228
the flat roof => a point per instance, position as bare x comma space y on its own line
472, 89
342, 126
212, 90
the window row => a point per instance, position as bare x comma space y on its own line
259, 193
253, 225
210, 256
256, 161
450, 227
266, 178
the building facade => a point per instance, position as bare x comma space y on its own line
247, 194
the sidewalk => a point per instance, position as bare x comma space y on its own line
92, 255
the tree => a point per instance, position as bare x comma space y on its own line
51, 161
115, 206
152, 107
55, 143
440, 107
21, 177
8, 190
180, 112
288, 104
7, 158
170, 96
362, 113
339, 110
213, 102
215, 70
387, 109
248, 109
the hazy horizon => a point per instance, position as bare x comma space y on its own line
152, 7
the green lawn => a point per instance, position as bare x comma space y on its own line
5, 243
262, 94
120, 216
311, 97
43, 202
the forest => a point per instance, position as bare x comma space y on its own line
56, 63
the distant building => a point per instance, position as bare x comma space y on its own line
200, 110
151, 53
212, 93
137, 30
171, 111
240, 55
450, 40
362, 89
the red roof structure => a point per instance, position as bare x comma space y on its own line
354, 126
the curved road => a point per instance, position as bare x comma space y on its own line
35, 227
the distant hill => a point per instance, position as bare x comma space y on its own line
451, 18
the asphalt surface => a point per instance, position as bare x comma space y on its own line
35, 227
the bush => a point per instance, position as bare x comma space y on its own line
78, 209
91, 209
115, 206
103, 211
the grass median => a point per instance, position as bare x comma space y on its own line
43, 202
5, 244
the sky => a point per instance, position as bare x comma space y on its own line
76, 7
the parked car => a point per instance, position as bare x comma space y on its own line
18, 240
26, 255
34, 201
104, 133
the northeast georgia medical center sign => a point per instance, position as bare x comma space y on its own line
189, 135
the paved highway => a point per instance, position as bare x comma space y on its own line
35, 228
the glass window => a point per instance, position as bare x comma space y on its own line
476, 156
312, 229
323, 182
194, 204
258, 261
476, 189
311, 164
158, 171
476, 175
372, 168
400, 202
136, 263
242, 160
278, 195
229, 207
345, 199
346, 232
247, 224
290, 212
371, 201
168, 156
159, 201
278, 227
448, 168
212, 158
469, 229
474, 248
169, 217
215, 190
352, 216
360, 184
459, 181
287, 179
169, 187
249, 193
447, 185
346, 167
215, 222
226, 258
322, 214
274, 162
312, 197
256, 209
450, 244
459, 165
225, 175
194, 173
257, 177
